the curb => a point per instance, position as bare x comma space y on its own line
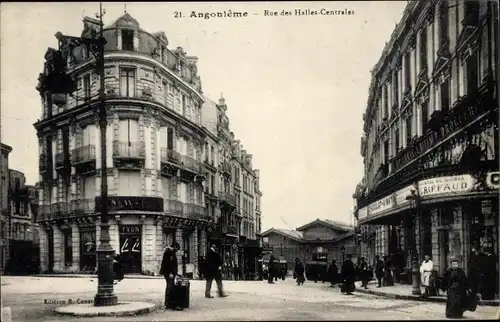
421, 299
76, 310
95, 276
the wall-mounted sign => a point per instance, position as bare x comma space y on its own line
132, 203
493, 180
130, 229
381, 205
449, 184
401, 195
362, 213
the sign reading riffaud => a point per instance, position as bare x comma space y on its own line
449, 184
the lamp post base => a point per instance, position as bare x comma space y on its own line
105, 275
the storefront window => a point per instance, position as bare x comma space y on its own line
87, 248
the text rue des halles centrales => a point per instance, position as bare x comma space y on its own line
266, 13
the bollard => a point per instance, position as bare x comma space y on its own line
415, 278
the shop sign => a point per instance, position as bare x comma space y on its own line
449, 184
132, 203
130, 229
401, 195
362, 213
381, 205
493, 180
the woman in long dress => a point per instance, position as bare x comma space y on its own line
455, 285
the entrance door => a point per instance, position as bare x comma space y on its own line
130, 248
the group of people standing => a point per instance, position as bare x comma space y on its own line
169, 269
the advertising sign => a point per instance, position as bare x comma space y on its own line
362, 213
449, 184
401, 195
381, 205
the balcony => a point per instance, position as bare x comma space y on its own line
191, 169
43, 164
226, 168
59, 161
173, 207
194, 211
210, 164
170, 162
84, 158
44, 212
83, 207
60, 210
228, 200
229, 230
129, 155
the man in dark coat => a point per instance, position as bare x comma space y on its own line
333, 273
271, 269
388, 280
298, 272
455, 285
489, 274
474, 271
213, 272
363, 272
348, 273
379, 270
169, 269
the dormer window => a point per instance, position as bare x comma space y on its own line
127, 39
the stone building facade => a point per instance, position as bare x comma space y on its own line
5, 150
162, 161
430, 141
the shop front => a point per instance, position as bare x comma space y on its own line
442, 217
130, 247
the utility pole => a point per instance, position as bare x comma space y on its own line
59, 82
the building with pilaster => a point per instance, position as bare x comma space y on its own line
155, 143
5, 150
430, 141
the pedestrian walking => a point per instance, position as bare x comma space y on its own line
298, 272
489, 274
169, 269
425, 273
333, 273
271, 269
348, 273
363, 272
379, 270
474, 271
214, 272
388, 278
455, 285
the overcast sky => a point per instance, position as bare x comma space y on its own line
296, 87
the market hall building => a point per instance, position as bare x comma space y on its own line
430, 142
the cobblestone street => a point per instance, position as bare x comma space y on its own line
29, 297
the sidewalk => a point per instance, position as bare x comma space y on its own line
133, 276
403, 292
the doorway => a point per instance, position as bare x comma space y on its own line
130, 248
50, 240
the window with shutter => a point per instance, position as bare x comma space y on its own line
170, 138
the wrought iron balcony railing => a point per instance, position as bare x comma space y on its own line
194, 210
229, 229
60, 209
226, 167
59, 158
83, 154
170, 155
129, 150
43, 165
171, 206
190, 164
83, 206
228, 198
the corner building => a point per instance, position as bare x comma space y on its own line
431, 134
155, 143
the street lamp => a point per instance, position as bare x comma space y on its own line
61, 83
342, 249
414, 198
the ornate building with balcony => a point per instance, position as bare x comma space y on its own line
430, 141
155, 143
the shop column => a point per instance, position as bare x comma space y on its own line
203, 243
44, 253
193, 241
58, 245
75, 245
179, 234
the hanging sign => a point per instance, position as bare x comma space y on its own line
493, 180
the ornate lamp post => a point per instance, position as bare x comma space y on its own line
62, 83
414, 198
342, 249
